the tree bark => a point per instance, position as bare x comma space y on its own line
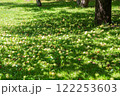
38, 2
84, 3
103, 11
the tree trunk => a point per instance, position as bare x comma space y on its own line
78, 2
38, 2
103, 11
84, 3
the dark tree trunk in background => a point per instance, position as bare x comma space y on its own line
84, 3
38, 2
78, 2
103, 11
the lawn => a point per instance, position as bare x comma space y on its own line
59, 40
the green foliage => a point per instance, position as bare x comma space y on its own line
57, 41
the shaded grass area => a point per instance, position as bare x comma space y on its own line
57, 41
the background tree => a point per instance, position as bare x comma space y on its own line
84, 3
78, 2
103, 11
38, 2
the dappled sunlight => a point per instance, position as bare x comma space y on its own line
57, 41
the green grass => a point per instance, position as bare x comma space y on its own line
57, 41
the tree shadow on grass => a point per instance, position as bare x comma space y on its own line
58, 24
34, 7
45, 5
54, 23
116, 3
115, 17
49, 5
